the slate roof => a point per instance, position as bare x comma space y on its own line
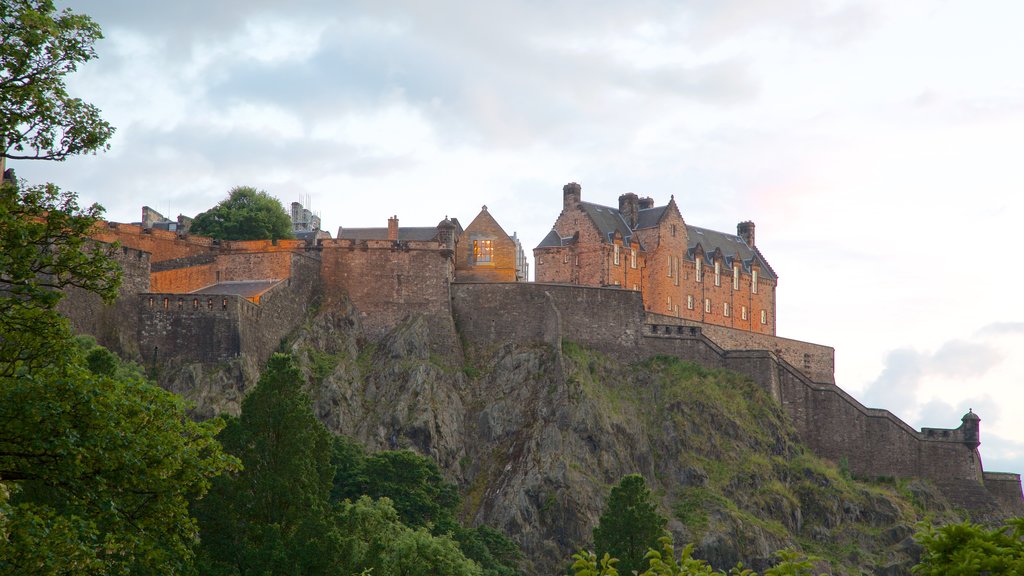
245, 289
649, 217
553, 240
405, 233
730, 245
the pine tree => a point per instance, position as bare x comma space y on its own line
630, 525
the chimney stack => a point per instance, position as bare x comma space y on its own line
646, 203
745, 230
393, 228
629, 206
571, 195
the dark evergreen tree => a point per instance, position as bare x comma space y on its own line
630, 525
274, 516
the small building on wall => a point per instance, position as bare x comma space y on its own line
684, 271
486, 253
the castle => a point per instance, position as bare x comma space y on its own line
616, 280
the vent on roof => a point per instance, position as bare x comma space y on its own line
699, 232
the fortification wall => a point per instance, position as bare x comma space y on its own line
387, 281
873, 443
282, 308
814, 360
184, 275
89, 315
1007, 489
161, 244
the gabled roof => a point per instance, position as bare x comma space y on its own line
553, 240
608, 220
731, 246
649, 217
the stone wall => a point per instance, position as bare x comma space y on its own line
387, 281
1007, 489
814, 360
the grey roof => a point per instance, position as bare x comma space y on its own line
608, 220
552, 240
649, 217
405, 233
245, 289
730, 245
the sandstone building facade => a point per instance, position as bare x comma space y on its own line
681, 270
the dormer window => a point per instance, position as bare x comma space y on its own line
718, 273
700, 270
736, 277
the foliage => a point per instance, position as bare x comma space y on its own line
38, 119
968, 549
44, 249
99, 469
246, 214
630, 524
274, 515
585, 563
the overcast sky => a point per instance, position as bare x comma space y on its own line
877, 146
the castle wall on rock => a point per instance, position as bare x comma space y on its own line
814, 360
871, 442
212, 327
387, 280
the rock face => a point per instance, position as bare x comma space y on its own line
535, 435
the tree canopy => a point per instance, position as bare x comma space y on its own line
969, 549
246, 214
630, 524
39, 46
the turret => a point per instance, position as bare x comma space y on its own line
745, 230
571, 195
446, 235
629, 206
971, 428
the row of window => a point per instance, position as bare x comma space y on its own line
673, 267
617, 259
726, 308
196, 304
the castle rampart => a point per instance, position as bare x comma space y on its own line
870, 442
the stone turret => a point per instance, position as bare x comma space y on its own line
446, 235
629, 207
571, 195
972, 429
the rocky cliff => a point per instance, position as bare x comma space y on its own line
535, 435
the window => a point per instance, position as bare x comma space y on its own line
675, 271
725, 309
632, 258
689, 302
707, 305
764, 317
753, 281
670, 266
736, 277
673, 230
743, 312
483, 251
565, 258
669, 303
616, 250
700, 270
635, 288
718, 273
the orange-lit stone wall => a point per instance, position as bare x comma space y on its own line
502, 266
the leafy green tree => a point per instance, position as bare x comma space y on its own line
968, 549
246, 214
274, 516
96, 472
44, 249
630, 524
39, 120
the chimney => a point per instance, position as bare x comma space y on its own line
745, 230
629, 205
646, 203
393, 228
571, 194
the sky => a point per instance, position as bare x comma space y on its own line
876, 145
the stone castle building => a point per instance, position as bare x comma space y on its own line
684, 271
188, 300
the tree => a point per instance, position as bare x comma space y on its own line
630, 524
44, 249
246, 214
39, 120
273, 516
968, 549
96, 470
